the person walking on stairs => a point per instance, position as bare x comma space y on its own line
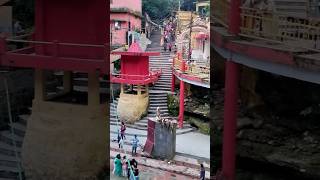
123, 130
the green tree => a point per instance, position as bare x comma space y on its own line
159, 10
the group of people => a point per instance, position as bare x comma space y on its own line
121, 137
169, 35
124, 167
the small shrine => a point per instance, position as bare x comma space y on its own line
134, 78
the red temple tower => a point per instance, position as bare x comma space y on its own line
64, 140
134, 71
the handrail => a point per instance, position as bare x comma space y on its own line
55, 43
191, 69
141, 77
280, 28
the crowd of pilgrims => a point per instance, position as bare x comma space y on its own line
169, 29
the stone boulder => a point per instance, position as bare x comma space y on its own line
132, 107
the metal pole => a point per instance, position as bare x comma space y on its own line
189, 53
11, 128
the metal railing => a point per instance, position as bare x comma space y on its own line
293, 31
52, 48
300, 32
137, 77
193, 69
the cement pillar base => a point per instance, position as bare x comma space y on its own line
65, 141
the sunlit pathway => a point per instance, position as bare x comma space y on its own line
148, 173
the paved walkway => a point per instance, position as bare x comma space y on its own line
149, 173
175, 168
191, 144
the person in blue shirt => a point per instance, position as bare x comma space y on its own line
135, 142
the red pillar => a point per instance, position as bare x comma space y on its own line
181, 107
234, 17
230, 120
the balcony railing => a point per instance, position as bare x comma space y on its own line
271, 26
192, 69
136, 79
293, 31
53, 55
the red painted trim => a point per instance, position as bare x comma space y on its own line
259, 53
136, 53
136, 80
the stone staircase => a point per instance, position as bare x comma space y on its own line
9, 164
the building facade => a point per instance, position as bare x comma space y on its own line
125, 16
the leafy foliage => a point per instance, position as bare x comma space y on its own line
158, 10
173, 105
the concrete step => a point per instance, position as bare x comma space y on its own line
7, 137
154, 94
24, 118
155, 98
162, 108
9, 173
156, 102
163, 88
19, 129
167, 77
6, 149
167, 85
164, 81
9, 161
9, 178
154, 111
